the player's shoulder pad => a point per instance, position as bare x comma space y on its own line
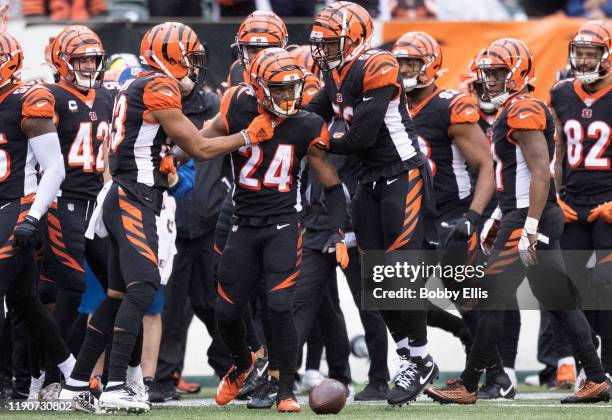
38, 102
315, 126
562, 84
161, 92
380, 69
463, 107
526, 113
312, 85
230, 96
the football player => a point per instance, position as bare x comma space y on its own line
363, 87
146, 114
266, 232
582, 109
28, 138
532, 221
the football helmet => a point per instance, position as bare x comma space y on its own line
11, 58
423, 47
595, 34
260, 29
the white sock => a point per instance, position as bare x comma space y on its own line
512, 375
420, 351
134, 373
566, 361
67, 365
74, 382
113, 383
402, 344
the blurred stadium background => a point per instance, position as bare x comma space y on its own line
462, 27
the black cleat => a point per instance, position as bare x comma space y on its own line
265, 396
154, 390
412, 377
496, 388
373, 392
259, 372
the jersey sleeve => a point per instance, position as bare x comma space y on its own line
527, 114
379, 71
228, 103
320, 134
311, 86
161, 93
39, 102
464, 110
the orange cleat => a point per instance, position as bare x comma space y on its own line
187, 388
566, 376
230, 385
453, 393
290, 405
589, 392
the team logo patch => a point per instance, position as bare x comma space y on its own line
93, 116
72, 106
339, 97
587, 113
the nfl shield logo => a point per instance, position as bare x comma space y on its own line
70, 206
338, 97
587, 113
93, 116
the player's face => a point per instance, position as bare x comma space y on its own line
284, 96
410, 67
495, 80
86, 67
586, 58
251, 51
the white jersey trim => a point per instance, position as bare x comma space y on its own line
143, 154
397, 131
522, 181
462, 177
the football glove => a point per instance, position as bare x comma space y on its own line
24, 233
569, 214
167, 166
603, 211
261, 129
489, 231
464, 227
336, 244
527, 247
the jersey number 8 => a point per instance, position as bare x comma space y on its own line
574, 134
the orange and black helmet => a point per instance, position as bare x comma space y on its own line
260, 29
343, 27
72, 43
275, 69
472, 84
11, 58
420, 46
516, 58
174, 49
303, 55
595, 34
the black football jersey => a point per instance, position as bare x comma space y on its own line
236, 74
486, 122
432, 119
83, 124
396, 148
17, 161
586, 120
137, 142
267, 175
512, 176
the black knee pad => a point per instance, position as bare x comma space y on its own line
280, 302
103, 318
138, 298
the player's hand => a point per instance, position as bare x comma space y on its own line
464, 227
24, 233
261, 129
603, 211
167, 166
527, 248
569, 214
336, 244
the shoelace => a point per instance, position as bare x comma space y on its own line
407, 373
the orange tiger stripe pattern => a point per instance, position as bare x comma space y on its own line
515, 56
39, 103
290, 281
11, 56
508, 255
464, 109
526, 113
424, 47
131, 219
56, 239
413, 208
380, 70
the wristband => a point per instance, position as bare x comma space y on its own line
35, 214
531, 225
246, 138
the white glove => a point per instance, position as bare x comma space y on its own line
526, 245
489, 231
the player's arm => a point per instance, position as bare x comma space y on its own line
534, 149
560, 147
474, 146
321, 105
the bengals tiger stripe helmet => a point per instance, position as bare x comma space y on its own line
260, 29
11, 58
516, 58
472, 84
75, 42
343, 27
420, 46
303, 55
274, 68
594, 34
174, 49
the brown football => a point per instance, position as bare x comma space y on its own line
328, 397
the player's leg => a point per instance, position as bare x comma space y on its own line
602, 279
282, 258
337, 349
239, 272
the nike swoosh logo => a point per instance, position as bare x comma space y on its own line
279, 227
365, 99
4, 206
523, 116
469, 112
311, 91
426, 378
261, 371
163, 92
505, 392
387, 70
391, 181
41, 104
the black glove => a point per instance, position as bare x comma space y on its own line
336, 244
24, 232
464, 227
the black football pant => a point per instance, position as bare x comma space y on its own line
18, 279
315, 299
549, 283
594, 285
268, 257
387, 217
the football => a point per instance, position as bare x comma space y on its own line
328, 397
